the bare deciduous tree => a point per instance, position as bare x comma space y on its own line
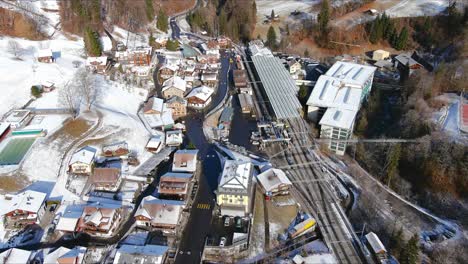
87, 87
15, 48
70, 98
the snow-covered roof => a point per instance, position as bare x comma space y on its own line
63, 255
236, 175
324, 91
3, 127
375, 243
44, 53
174, 137
341, 118
29, 201
160, 211
85, 155
177, 175
185, 160
154, 141
351, 73
140, 254
17, 116
160, 120
67, 224
172, 67
155, 104
14, 256
272, 178
257, 50
176, 82
96, 61
201, 92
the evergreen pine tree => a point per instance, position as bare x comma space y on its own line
271, 38
222, 22
396, 243
402, 39
272, 15
162, 23
410, 252
92, 43
306, 53
303, 91
149, 9
324, 17
393, 160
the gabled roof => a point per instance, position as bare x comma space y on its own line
96, 61
155, 141
272, 178
375, 243
177, 99
236, 175
176, 82
84, 155
155, 104
202, 92
148, 254
160, 211
105, 175
44, 53
14, 256
171, 67
29, 201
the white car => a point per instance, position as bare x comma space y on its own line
222, 242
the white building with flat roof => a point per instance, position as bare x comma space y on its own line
336, 99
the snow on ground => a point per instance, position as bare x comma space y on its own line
183, 24
120, 106
414, 8
129, 38
282, 8
451, 121
19, 75
321, 258
106, 43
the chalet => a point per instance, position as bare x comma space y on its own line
199, 97
115, 149
174, 138
23, 209
105, 179
46, 86
156, 214
154, 106
294, 66
161, 121
15, 256
97, 64
154, 144
4, 130
223, 42
82, 161
209, 78
63, 255
144, 254
99, 220
68, 222
167, 71
274, 182
234, 193
185, 160
141, 71
174, 86
380, 55
174, 185
178, 106
406, 64
45, 56
18, 118
140, 56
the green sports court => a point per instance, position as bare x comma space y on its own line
15, 149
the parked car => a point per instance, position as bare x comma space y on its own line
238, 222
222, 243
227, 221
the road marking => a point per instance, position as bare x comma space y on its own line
203, 206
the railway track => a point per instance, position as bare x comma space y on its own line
313, 189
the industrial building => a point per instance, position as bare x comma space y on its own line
336, 99
278, 86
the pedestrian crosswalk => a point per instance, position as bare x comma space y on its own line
203, 206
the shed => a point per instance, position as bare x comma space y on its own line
380, 55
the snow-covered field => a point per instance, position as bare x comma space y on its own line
19, 75
282, 8
414, 8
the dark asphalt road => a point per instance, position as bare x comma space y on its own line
175, 29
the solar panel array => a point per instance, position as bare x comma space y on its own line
279, 86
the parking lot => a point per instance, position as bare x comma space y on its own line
224, 228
